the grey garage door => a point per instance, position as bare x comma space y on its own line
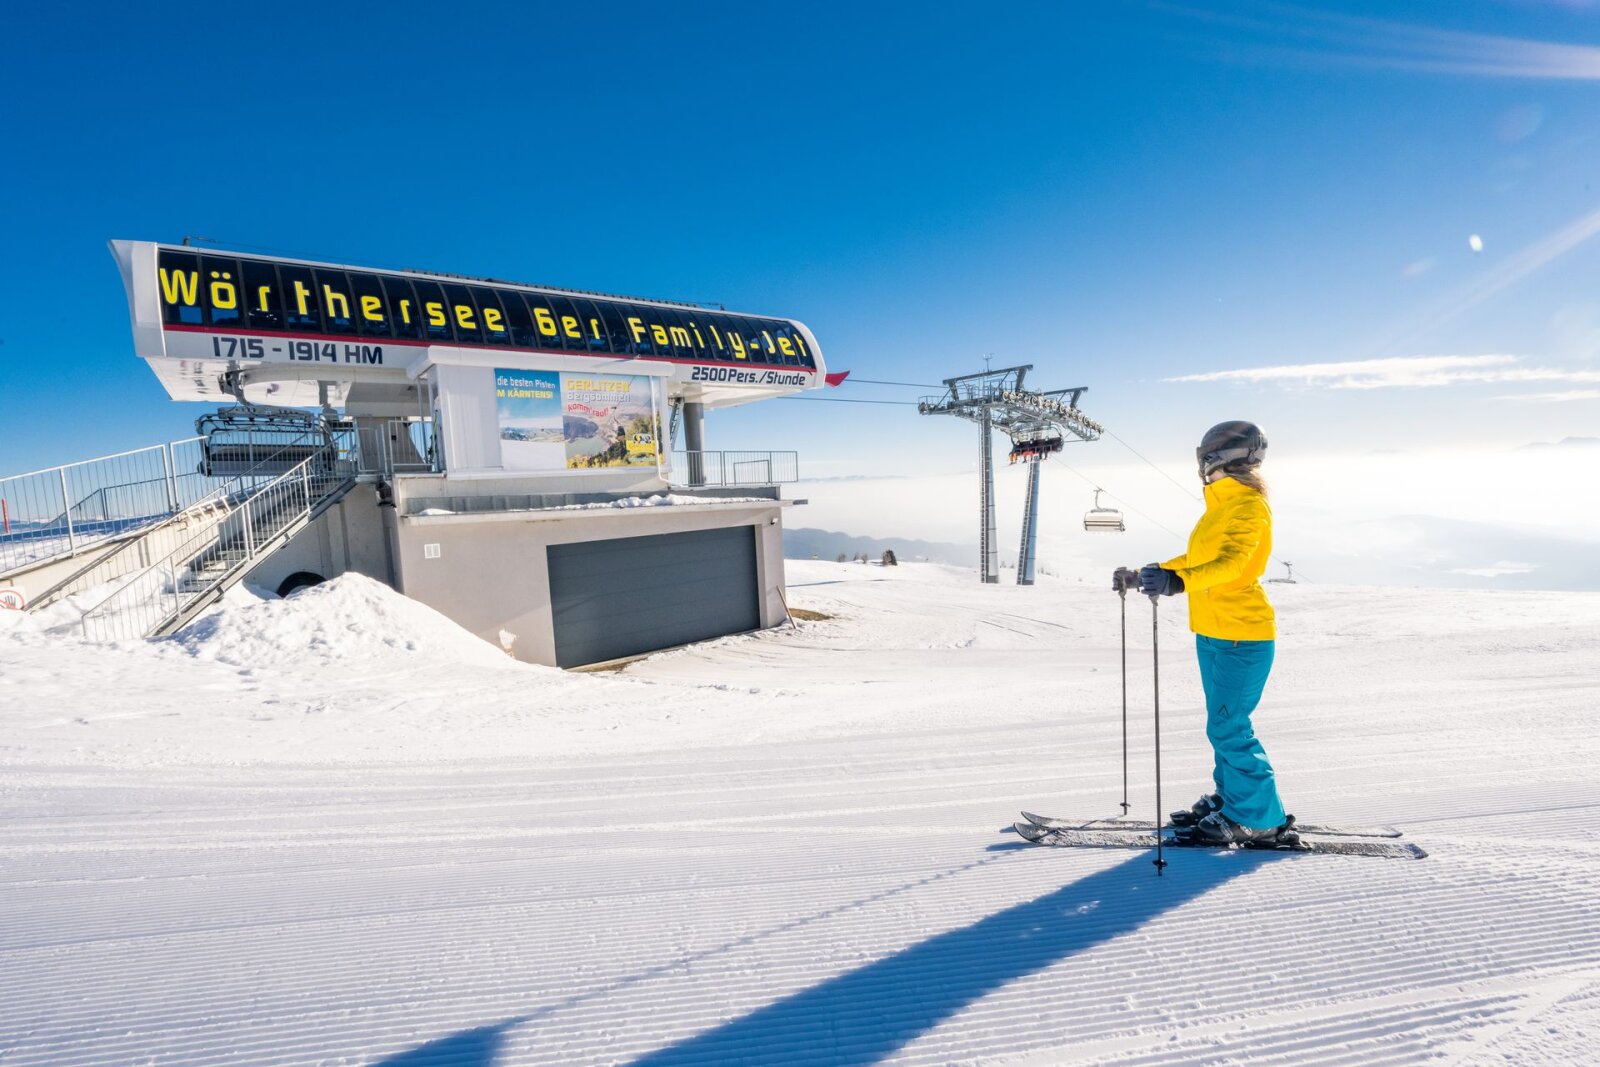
636, 594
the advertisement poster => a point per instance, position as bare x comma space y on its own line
576, 421
608, 420
528, 408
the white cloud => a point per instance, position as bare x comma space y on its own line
1326, 37
1398, 372
1554, 398
1496, 570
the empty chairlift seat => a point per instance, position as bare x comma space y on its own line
1103, 520
261, 441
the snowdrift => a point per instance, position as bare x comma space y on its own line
351, 620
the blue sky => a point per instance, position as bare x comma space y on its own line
1119, 194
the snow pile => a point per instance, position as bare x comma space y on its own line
16, 621
351, 620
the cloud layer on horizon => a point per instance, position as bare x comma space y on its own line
1402, 372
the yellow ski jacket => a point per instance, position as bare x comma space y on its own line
1228, 553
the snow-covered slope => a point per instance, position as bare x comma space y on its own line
337, 830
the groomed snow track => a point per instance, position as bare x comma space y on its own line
785, 849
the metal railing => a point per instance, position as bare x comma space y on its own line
167, 591
133, 552
403, 445
61, 511
728, 469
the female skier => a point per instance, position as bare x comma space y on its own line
1234, 634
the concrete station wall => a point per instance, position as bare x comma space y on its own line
491, 572
350, 536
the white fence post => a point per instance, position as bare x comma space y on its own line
172, 482
66, 510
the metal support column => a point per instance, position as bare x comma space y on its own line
694, 441
1030, 528
989, 543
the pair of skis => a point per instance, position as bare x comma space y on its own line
1375, 841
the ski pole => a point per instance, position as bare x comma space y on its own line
1123, 593
1155, 652
1124, 579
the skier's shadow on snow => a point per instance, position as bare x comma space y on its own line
865, 1015
469, 1048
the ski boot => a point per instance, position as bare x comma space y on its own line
1219, 831
1206, 805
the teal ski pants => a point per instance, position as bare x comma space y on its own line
1234, 673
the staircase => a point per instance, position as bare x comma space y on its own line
216, 553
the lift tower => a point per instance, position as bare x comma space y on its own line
1036, 423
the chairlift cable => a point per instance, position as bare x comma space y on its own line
853, 380
1186, 492
847, 400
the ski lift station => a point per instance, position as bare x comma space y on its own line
504, 453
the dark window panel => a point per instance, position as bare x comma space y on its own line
705, 344
520, 320
787, 332
179, 278
546, 321
405, 310
263, 295
613, 318
595, 335
464, 315
640, 342
492, 315
222, 293
368, 305
719, 346
569, 323
808, 358
770, 329
677, 334
435, 311
755, 331
337, 301
301, 310
750, 334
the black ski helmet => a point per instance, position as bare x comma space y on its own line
1231, 444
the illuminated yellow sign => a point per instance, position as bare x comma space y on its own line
240, 295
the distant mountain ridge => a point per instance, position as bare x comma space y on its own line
806, 543
1565, 442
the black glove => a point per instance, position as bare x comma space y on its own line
1154, 581
1123, 579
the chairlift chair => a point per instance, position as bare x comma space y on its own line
253, 440
1103, 520
1034, 448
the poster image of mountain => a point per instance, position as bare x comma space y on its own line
528, 409
608, 421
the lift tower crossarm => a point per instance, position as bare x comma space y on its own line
1012, 408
